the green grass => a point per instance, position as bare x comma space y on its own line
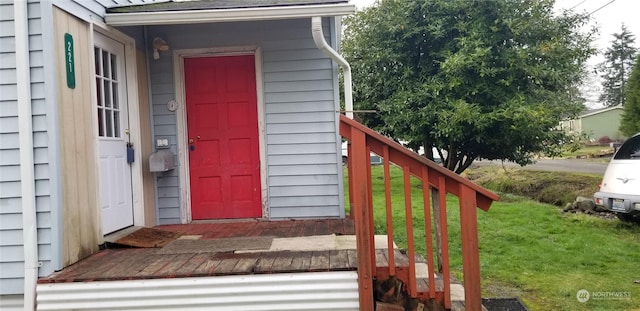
531, 250
585, 151
557, 188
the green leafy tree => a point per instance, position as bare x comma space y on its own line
475, 79
630, 123
616, 68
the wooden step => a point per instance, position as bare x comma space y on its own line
422, 278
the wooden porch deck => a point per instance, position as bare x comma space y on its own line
148, 263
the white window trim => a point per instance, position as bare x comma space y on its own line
181, 121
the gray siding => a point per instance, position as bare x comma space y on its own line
11, 251
43, 114
84, 9
300, 113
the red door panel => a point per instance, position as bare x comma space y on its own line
222, 124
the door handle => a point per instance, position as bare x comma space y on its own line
191, 140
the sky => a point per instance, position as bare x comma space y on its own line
607, 15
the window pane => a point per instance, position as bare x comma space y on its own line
114, 67
115, 95
99, 92
629, 150
96, 56
105, 64
107, 93
109, 125
116, 123
100, 122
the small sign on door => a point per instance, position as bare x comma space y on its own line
69, 61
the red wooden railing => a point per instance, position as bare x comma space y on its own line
440, 181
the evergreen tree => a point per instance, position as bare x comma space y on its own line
630, 123
616, 68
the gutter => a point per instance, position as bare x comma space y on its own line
25, 133
226, 15
321, 43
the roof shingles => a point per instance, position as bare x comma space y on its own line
216, 5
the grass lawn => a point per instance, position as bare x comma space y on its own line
586, 151
532, 251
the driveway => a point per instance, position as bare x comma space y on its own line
589, 166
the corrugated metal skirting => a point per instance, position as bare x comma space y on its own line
284, 291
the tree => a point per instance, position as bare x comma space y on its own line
475, 79
630, 123
616, 68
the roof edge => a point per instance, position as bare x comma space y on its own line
600, 111
227, 15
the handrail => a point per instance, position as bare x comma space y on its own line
441, 181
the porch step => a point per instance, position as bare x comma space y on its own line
422, 278
114, 236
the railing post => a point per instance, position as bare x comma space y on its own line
362, 214
470, 249
435, 198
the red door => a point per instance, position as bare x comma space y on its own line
222, 124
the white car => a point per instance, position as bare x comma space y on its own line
620, 187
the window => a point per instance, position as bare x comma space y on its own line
629, 150
107, 92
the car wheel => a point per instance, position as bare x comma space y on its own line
629, 218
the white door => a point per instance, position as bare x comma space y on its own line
113, 134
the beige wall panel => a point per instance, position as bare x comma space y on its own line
148, 188
80, 208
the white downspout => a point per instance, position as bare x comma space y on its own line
321, 43
25, 132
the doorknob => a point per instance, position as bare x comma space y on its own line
191, 140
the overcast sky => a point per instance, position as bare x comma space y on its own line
607, 15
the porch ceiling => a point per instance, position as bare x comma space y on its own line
211, 11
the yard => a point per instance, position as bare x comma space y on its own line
533, 251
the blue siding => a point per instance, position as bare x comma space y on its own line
11, 253
300, 103
46, 171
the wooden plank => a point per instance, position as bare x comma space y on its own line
226, 266
319, 261
309, 228
207, 267
282, 262
301, 261
265, 263
245, 265
382, 259
322, 228
338, 260
139, 260
470, 256
172, 267
157, 264
353, 258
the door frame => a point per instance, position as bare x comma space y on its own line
181, 120
134, 115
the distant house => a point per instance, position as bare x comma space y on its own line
596, 123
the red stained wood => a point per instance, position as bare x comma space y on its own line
470, 257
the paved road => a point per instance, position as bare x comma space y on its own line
560, 165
